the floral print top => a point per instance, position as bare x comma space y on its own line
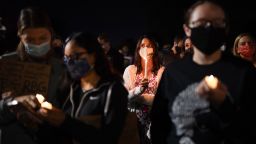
131, 82
142, 111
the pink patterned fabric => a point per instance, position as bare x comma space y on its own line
142, 111
152, 86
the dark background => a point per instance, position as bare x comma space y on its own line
121, 20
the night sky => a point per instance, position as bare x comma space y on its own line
123, 19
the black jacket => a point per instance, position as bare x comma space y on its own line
178, 114
97, 115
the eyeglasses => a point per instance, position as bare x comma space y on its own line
250, 43
72, 58
218, 23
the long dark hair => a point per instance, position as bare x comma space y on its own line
31, 17
156, 61
89, 42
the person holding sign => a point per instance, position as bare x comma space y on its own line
35, 49
141, 79
208, 97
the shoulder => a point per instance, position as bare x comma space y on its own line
115, 86
161, 69
119, 91
237, 62
131, 68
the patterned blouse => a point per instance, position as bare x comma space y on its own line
131, 82
142, 110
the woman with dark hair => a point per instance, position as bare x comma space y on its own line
96, 104
141, 79
36, 35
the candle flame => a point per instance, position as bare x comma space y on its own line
211, 81
46, 105
40, 98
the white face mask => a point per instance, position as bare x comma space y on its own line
146, 53
37, 50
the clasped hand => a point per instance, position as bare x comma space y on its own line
29, 111
216, 95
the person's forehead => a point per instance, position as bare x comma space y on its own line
207, 11
72, 47
36, 31
145, 40
102, 41
245, 39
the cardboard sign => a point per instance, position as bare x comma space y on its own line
24, 78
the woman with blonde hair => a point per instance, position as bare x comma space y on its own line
245, 47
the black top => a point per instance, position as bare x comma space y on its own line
178, 114
93, 103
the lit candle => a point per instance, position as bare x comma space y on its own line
40, 98
146, 68
144, 54
211, 81
46, 105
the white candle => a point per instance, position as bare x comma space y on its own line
211, 81
144, 54
146, 69
46, 105
40, 98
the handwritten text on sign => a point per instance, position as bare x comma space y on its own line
24, 78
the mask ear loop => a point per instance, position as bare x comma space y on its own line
91, 68
208, 24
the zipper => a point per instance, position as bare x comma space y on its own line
85, 95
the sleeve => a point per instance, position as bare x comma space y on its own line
237, 116
159, 75
6, 116
227, 110
128, 76
80, 131
160, 120
116, 114
248, 106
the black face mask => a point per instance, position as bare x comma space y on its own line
208, 39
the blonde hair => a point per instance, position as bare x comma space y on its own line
235, 46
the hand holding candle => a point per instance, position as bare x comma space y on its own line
40, 98
44, 104
211, 81
143, 54
212, 89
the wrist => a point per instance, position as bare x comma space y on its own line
138, 90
